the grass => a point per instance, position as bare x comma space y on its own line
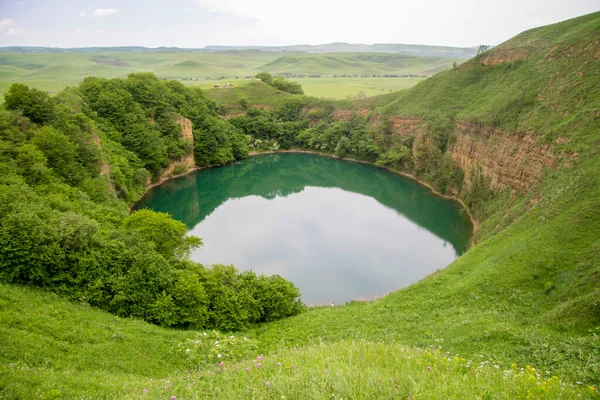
358, 63
343, 88
257, 93
334, 88
54, 71
67, 350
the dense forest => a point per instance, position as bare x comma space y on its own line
70, 167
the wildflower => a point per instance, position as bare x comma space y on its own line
279, 364
268, 383
145, 391
221, 364
173, 397
396, 386
218, 355
259, 358
293, 367
324, 371
428, 368
258, 365
247, 369
245, 339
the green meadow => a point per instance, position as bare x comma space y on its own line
54, 71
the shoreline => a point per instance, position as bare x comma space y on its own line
474, 222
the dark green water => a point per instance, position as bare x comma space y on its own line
339, 230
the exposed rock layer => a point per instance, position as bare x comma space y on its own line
188, 160
508, 161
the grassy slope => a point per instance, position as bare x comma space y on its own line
53, 349
528, 294
257, 93
54, 71
357, 63
554, 92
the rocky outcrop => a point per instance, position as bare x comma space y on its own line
188, 162
504, 53
403, 126
508, 161
345, 115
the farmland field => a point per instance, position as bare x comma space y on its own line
53, 71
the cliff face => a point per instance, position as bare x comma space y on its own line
508, 161
188, 161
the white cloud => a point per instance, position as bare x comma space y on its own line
13, 30
103, 12
7, 27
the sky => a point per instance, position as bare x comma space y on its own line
197, 23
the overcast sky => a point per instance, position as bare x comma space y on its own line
196, 23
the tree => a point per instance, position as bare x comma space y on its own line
35, 104
167, 235
482, 49
265, 77
31, 164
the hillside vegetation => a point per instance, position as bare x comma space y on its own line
357, 63
517, 316
72, 164
53, 71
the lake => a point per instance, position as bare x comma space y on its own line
339, 230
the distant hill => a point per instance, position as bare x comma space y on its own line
396, 48
357, 64
52, 69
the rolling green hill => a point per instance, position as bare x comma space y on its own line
517, 316
52, 71
357, 63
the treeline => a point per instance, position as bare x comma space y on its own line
69, 167
280, 83
308, 123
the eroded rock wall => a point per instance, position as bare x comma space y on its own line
508, 160
188, 161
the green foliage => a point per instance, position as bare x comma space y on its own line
280, 83
287, 86
93, 354
265, 77
35, 104
65, 226
167, 235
